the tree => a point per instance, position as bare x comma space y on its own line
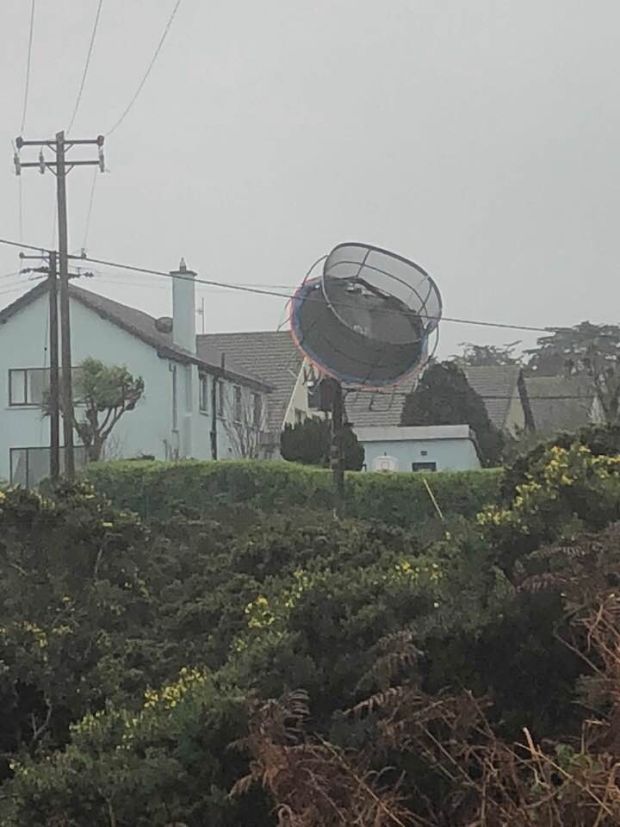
107, 392
245, 422
103, 393
309, 442
483, 355
584, 350
445, 397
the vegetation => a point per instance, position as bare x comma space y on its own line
445, 397
105, 394
160, 489
287, 669
487, 355
309, 442
584, 350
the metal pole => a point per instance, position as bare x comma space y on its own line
337, 458
214, 390
54, 373
65, 320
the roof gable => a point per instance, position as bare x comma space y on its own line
270, 354
560, 403
497, 385
142, 326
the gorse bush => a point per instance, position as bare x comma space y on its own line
285, 668
159, 489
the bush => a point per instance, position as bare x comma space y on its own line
310, 442
159, 489
129, 652
601, 440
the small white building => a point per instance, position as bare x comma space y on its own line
419, 448
197, 403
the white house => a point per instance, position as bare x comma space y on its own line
274, 357
197, 402
419, 448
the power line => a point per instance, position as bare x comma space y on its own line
20, 207
89, 211
86, 65
148, 70
263, 291
504, 397
256, 289
28, 62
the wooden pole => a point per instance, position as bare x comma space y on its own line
65, 320
337, 456
54, 372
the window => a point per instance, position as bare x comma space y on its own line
423, 466
221, 397
385, 464
30, 386
237, 406
257, 410
30, 466
203, 394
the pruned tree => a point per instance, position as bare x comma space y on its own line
103, 394
309, 442
245, 422
445, 397
484, 355
584, 350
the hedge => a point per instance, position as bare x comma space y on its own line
159, 489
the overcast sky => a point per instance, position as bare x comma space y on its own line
479, 138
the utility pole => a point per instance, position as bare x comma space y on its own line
54, 371
54, 385
337, 456
60, 166
331, 399
54, 406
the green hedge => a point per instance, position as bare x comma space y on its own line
158, 489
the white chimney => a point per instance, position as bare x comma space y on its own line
184, 308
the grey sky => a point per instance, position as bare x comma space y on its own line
479, 138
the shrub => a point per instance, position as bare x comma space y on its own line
159, 489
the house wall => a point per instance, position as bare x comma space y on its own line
597, 412
23, 344
149, 429
515, 417
298, 403
448, 454
234, 441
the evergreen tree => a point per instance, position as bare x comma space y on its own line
445, 397
309, 442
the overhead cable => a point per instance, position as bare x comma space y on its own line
28, 62
89, 211
86, 65
257, 290
136, 94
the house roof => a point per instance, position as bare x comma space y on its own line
142, 326
410, 433
497, 385
560, 403
374, 408
270, 354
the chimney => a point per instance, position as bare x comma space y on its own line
184, 308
